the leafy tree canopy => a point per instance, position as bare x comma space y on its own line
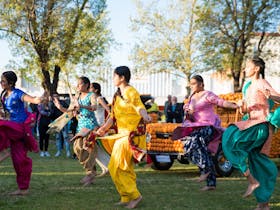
50, 35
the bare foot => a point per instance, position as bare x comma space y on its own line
251, 188
203, 177
19, 192
86, 178
89, 181
262, 206
121, 203
208, 188
132, 204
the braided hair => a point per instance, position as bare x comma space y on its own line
257, 61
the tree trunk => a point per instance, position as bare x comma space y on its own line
49, 87
57, 70
236, 84
46, 83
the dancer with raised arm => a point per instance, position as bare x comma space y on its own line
84, 106
15, 132
246, 144
201, 130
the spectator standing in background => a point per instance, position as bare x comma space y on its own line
166, 104
175, 112
153, 111
34, 109
44, 120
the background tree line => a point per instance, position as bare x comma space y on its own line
187, 36
193, 36
55, 35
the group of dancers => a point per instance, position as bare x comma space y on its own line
246, 143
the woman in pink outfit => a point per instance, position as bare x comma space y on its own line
202, 129
246, 143
16, 131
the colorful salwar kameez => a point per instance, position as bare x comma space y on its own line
16, 133
86, 119
121, 166
246, 144
203, 132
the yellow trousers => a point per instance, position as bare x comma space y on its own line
121, 168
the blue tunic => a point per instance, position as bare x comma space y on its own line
86, 118
15, 106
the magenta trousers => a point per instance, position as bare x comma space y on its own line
22, 164
18, 137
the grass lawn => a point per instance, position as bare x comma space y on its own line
55, 185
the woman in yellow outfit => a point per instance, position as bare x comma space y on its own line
127, 113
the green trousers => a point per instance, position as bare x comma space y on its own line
242, 149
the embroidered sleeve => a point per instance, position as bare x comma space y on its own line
214, 99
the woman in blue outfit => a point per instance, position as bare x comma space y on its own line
85, 105
15, 132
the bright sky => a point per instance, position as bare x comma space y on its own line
5, 54
119, 13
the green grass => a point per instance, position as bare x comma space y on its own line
55, 185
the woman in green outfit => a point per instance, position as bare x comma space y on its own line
246, 143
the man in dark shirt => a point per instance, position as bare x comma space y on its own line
175, 111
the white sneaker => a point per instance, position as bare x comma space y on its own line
68, 154
47, 154
42, 154
57, 154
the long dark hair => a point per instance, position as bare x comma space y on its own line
86, 81
97, 88
11, 78
125, 72
257, 61
198, 78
